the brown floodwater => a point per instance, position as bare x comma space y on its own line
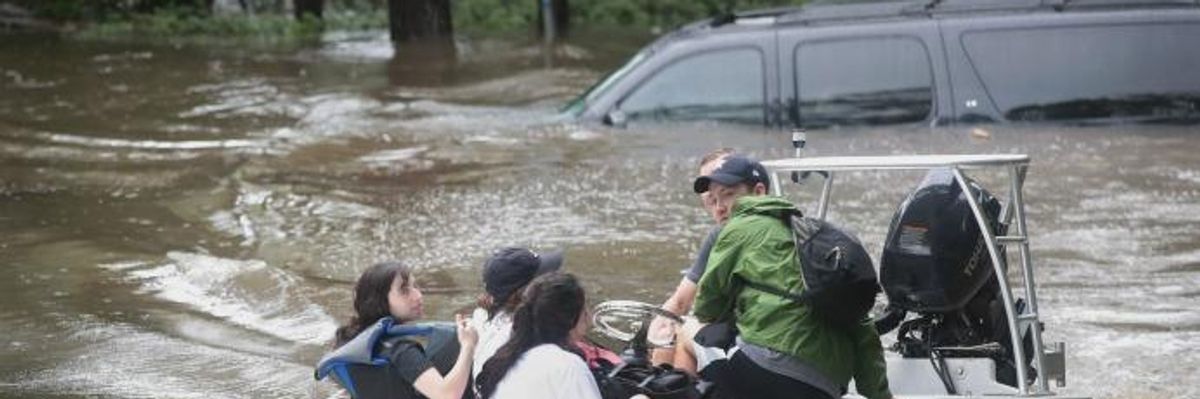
186, 218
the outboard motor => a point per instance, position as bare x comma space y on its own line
935, 259
935, 263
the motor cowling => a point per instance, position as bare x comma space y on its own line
935, 258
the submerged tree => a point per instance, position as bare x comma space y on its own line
308, 8
419, 19
561, 14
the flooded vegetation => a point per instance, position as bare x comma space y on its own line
186, 219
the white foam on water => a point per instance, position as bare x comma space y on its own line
447, 118
21, 81
255, 96
493, 138
122, 266
337, 115
343, 210
582, 134
246, 293
389, 156
1189, 176
87, 141
350, 47
1163, 319
1103, 363
124, 56
127, 362
527, 87
226, 222
70, 152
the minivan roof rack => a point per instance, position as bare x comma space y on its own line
765, 13
1059, 5
985, 5
1063, 4
834, 10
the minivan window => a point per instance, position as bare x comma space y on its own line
862, 81
1133, 72
723, 85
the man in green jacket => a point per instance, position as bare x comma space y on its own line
782, 350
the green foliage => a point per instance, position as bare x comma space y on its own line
176, 23
61, 10
267, 17
99, 10
492, 15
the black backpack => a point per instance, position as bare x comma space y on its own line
657, 382
839, 279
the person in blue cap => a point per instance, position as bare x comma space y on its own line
505, 275
778, 348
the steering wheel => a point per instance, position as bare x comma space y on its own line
622, 320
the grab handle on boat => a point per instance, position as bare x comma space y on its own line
799, 139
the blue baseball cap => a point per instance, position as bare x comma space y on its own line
735, 169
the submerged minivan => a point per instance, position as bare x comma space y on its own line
916, 62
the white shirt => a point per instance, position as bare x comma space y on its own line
548, 372
493, 334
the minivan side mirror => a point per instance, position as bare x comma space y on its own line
616, 118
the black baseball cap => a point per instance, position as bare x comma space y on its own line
511, 268
735, 169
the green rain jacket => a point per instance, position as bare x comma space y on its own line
755, 245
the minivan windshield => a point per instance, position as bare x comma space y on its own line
574, 107
1127, 73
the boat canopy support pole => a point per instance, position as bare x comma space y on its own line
1017, 180
826, 191
989, 239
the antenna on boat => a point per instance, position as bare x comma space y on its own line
799, 139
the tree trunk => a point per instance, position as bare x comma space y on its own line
428, 62
562, 17
312, 8
419, 19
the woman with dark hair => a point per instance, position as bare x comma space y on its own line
540, 359
421, 365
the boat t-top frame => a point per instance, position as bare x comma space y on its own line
1050, 364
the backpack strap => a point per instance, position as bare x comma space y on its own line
802, 229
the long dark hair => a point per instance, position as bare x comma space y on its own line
549, 309
371, 297
495, 305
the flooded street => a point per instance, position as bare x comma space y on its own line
186, 219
